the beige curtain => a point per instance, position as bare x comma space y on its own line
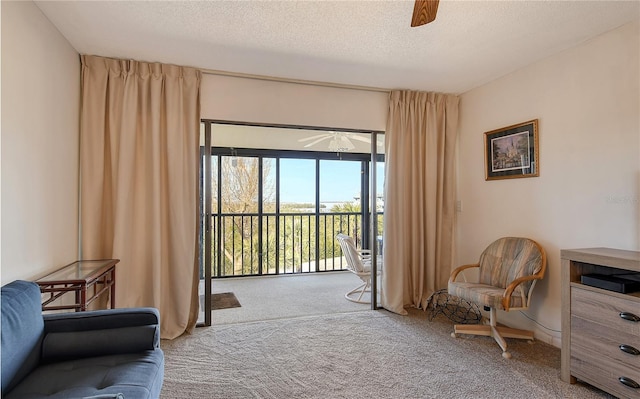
139, 182
419, 201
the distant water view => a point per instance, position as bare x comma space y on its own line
329, 206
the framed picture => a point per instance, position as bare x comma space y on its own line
512, 151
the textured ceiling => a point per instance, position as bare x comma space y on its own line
367, 43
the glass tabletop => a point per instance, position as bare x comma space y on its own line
82, 270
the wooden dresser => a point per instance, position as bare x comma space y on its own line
600, 328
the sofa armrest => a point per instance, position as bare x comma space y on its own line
101, 319
101, 332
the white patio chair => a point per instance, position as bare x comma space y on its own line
358, 263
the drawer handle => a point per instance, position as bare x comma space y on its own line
629, 382
629, 349
629, 316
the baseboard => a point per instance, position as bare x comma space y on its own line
544, 336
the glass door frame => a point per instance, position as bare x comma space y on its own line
205, 217
373, 234
368, 200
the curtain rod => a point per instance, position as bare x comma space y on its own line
296, 81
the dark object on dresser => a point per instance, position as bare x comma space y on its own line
103, 353
623, 283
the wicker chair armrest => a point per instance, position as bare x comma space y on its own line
506, 297
460, 269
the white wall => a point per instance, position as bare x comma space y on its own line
40, 133
587, 103
271, 102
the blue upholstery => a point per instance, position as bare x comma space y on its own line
137, 375
22, 331
98, 354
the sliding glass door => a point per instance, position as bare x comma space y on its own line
271, 211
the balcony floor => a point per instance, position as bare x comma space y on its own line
286, 296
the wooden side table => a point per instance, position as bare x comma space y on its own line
87, 279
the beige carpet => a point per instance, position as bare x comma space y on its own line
282, 297
365, 354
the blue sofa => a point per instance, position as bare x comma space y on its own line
111, 353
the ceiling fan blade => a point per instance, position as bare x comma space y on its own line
317, 141
359, 138
315, 137
424, 11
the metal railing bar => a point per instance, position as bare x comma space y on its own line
333, 245
309, 241
263, 258
260, 211
301, 243
325, 242
241, 243
251, 246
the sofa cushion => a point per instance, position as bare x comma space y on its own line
22, 331
137, 375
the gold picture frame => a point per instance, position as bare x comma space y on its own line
512, 152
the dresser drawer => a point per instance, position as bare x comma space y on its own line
606, 310
589, 367
603, 343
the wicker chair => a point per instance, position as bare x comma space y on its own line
508, 271
358, 263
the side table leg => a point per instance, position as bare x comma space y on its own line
113, 288
83, 298
78, 303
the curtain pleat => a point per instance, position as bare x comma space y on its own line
139, 182
419, 213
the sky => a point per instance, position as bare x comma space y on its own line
339, 180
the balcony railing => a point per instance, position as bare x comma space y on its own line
285, 243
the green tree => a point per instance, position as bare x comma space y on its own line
239, 191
